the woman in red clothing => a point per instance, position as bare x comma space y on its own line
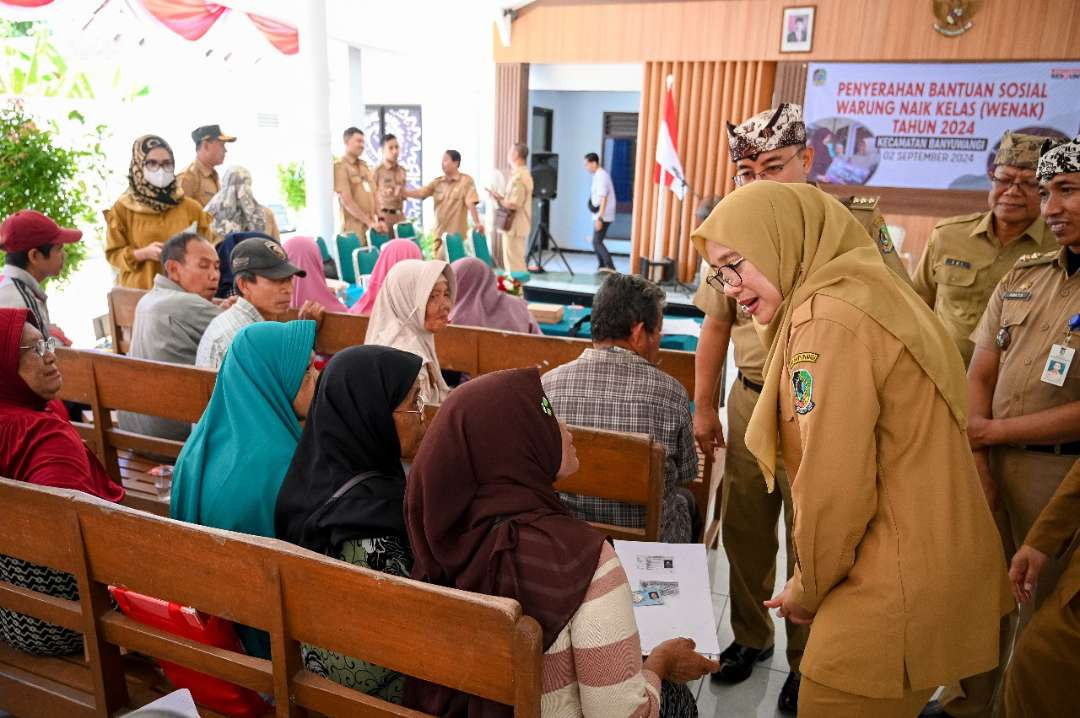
40, 446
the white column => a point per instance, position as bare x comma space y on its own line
356, 87
315, 96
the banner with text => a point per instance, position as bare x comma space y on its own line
935, 126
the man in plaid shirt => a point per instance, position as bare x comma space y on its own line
616, 385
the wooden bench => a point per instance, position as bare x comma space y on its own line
478, 644
117, 383
477, 351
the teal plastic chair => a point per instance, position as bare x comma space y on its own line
376, 239
455, 246
404, 230
363, 263
323, 249
480, 248
346, 244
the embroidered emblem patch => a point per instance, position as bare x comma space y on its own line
1003, 338
1022, 296
952, 262
884, 240
545, 405
276, 250
802, 386
804, 358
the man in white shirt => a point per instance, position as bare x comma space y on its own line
602, 205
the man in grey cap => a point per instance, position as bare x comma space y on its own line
199, 180
263, 278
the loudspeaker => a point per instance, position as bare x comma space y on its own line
545, 174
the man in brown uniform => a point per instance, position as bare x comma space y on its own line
200, 180
519, 198
353, 185
1023, 383
771, 145
968, 255
1045, 667
455, 200
389, 186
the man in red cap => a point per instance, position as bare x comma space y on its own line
33, 247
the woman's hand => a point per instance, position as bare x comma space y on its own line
149, 253
1024, 572
788, 608
675, 660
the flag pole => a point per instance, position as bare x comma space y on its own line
661, 197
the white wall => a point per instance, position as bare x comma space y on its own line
578, 129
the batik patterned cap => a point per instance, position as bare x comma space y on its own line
782, 126
1058, 158
1019, 150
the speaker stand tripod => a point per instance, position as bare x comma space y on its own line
541, 241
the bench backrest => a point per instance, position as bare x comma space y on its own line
474, 643
617, 466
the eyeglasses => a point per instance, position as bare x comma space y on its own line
747, 176
42, 346
1028, 186
726, 274
418, 407
155, 165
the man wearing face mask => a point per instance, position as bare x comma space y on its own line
769, 146
200, 180
152, 210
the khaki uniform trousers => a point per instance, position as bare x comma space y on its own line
748, 521
819, 701
513, 251
1026, 482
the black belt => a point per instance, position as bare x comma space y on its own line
1071, 448
751, 385
390, 211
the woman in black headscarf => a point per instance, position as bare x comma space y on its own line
344, 492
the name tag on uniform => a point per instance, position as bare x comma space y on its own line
1057, 364
1022, 296
952, 262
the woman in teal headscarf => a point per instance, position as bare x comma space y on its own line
231, 467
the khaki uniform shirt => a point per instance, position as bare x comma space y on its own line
519, 193
131, 226
963, 262
199, 182
1027, 314
1057, 525
353, 179
892, 538
453, 197
750, 354
389, 189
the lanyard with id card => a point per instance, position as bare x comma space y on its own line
1061, 356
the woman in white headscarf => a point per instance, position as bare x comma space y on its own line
234, 208
412, 307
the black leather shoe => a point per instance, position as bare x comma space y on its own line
737, 661
789, 694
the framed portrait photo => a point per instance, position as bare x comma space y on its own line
797, 31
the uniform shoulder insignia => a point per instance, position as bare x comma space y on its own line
959, 219
1036, 258
857, 202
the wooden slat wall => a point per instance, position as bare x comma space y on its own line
706, 95
851, 30
790, 83
511, 108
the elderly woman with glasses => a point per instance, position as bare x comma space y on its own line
39, 445
151, 211
344, 493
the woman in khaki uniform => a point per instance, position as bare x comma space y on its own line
151, 211
865, 393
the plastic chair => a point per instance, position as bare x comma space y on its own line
404, 230
375, 239
480, 248
363, 263
455, 246
346, 243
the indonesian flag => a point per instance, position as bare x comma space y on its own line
667, 156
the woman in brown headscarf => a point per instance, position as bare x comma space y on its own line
151, 210
482, 515
865, 393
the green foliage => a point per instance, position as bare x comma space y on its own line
65, 184
293, 187
427, 244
